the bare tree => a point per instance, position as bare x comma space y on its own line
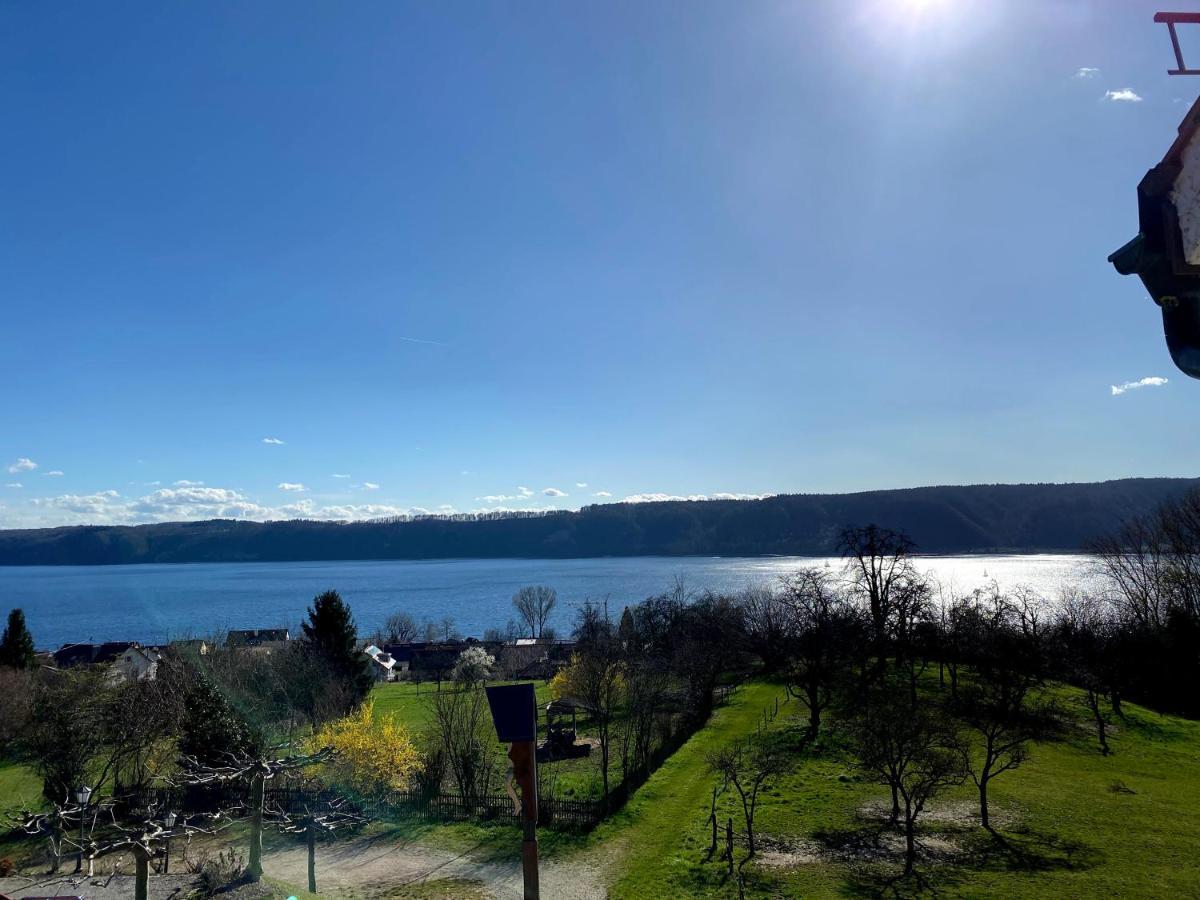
824, 626
916, 752
770, 624
317, 822
400, 628
534, 604
147, 839
596, 676
747, 767
1002, 705
463, 736
880, 569
255, 770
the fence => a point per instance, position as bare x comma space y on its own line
564, 814
552, 812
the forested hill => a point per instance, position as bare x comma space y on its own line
1015, 517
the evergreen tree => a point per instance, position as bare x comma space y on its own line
212, 729
16, 645
330, 633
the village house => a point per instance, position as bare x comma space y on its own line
382, 664
129, 660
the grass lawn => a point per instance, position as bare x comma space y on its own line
19, 787
1073, 823
574, 779
409, 701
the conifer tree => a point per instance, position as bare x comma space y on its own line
330, 632
16, 645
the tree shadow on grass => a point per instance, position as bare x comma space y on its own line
875, 860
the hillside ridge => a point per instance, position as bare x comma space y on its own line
1019, 518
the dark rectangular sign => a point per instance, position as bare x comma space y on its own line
514, 712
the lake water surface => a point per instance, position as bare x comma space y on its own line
151, 603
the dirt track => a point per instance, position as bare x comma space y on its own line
363, 867
378, 865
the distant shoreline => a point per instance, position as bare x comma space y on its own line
999, 554
969, 520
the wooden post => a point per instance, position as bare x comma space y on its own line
141, 882
524, 760
257, 800
312, 858
729, 843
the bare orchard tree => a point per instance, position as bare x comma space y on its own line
317, 821
60, 826
825, 625
747, 766
1003, 704
464, 739
400, 628
1153, 563
1084, 636
915, 752
257, 771
770, 625
148, 839
880, 569
534, 604
596, 676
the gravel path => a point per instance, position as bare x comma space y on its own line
375, 865
119, 887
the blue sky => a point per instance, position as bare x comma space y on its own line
527, 255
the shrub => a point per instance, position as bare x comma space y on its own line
373, 756
215, 874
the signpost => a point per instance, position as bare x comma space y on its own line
514, 713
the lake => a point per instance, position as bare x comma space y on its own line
152, 603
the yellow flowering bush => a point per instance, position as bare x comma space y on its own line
372, 755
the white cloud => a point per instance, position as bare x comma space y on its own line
55, 473
581, 484
359, 512
183, 482
153, 483
523, 493
14, 484
1152, 381
602, 494
272, 441
1086, 72
662, 498
1124, 95
446, 508
336, 475
96, 507
191, 504
370, 486
24, 464
554, 492
292, 486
